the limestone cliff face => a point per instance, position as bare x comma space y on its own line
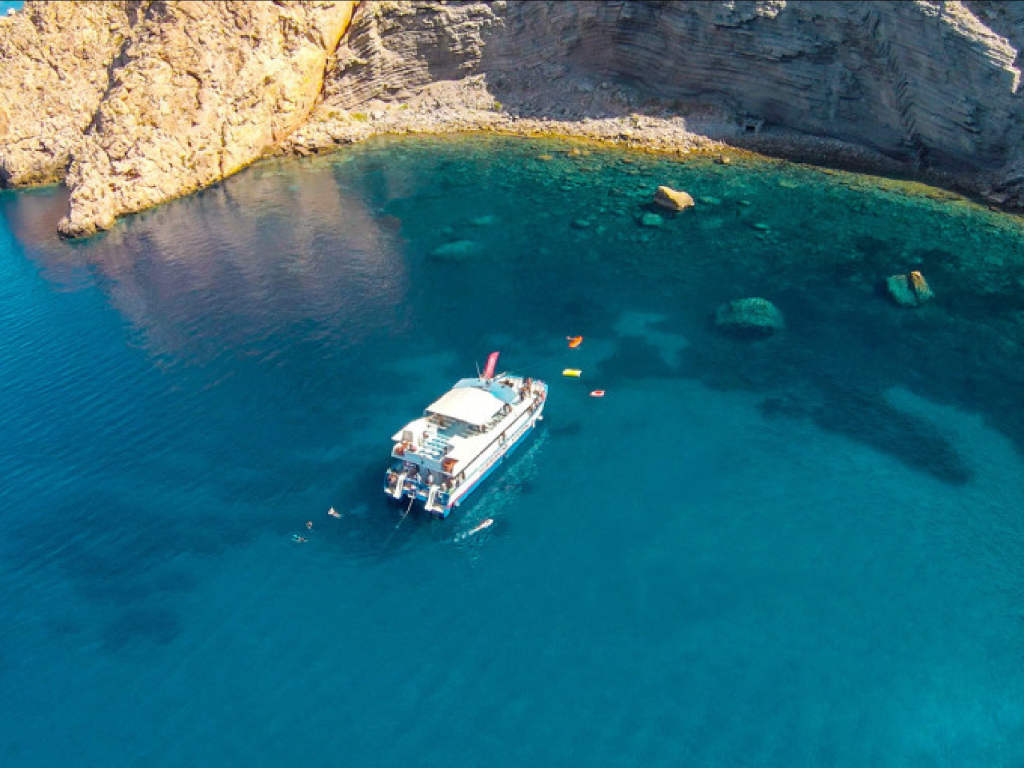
152, 100
200, 90
53, 73
933, 83
136, 102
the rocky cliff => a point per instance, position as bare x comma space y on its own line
929, 85
141, 102
53, 73
133, 103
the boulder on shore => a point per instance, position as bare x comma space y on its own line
755, 316
909, 290
672, 199
920, 286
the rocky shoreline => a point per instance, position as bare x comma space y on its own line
473, 111
467, 107
132, 103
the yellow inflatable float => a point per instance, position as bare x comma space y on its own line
574, 372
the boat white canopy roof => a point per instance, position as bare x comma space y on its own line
467, 404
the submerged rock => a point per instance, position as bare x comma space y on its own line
672, 199
752, 315
909, 290
651, 220
459, 249
900, 290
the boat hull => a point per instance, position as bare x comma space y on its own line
442, 469
516, 442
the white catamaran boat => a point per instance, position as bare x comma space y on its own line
462, 437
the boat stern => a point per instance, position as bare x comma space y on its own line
404, 482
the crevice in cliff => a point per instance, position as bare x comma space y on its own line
331, 58
223, 153
116, 63
901, 86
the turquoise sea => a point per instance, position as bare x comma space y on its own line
800, 551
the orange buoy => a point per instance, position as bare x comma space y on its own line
574, 341
597, 393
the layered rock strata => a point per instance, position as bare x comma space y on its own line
927, 85
144, 101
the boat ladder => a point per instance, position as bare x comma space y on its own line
397, 493
430, 505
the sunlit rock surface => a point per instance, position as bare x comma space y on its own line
203, 90
53, 74
152, 100
134, 103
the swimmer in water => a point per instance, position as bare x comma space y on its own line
484, 525
333, 513
309, 525
298, 539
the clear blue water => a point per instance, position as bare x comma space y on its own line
6, 4
803, 551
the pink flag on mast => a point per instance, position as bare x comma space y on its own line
492, 363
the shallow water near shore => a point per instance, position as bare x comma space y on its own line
804, 550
